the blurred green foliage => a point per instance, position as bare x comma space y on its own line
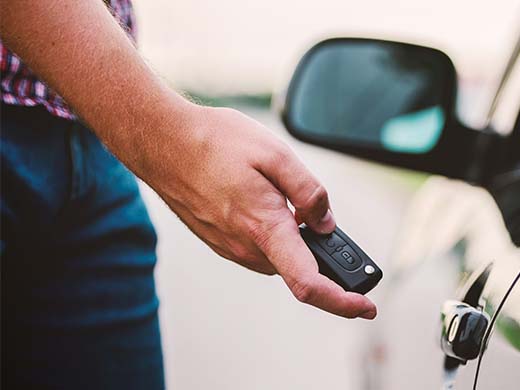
262, 100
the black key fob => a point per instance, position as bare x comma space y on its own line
340, 259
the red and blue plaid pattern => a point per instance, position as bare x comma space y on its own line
20, 86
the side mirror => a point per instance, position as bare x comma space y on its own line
385, 101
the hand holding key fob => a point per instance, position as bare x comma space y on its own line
342, 260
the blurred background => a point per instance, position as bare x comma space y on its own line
226, 328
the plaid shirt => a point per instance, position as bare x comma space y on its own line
20, 86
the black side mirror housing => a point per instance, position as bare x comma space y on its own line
389, 102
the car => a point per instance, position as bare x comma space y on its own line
395, 103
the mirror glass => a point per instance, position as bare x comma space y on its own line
377, 94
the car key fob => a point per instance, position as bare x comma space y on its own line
342, 260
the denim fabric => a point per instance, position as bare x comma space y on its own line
79, 308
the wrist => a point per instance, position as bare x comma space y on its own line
157, 135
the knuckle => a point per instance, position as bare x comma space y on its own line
320, 194
303, 290
280, 154
317, 197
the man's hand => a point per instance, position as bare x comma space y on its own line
230, 184
224, 174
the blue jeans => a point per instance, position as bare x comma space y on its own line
79, 307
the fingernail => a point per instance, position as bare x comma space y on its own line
327, 224
369, 314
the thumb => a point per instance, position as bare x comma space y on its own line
286, 250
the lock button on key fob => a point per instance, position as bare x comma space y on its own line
347, 258
342, 260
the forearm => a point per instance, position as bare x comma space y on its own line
78, 48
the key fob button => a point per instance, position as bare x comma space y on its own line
340, 259
331, 243
347, 258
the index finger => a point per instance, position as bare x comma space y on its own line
286, 250
308, 196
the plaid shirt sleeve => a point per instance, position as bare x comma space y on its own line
20, 86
